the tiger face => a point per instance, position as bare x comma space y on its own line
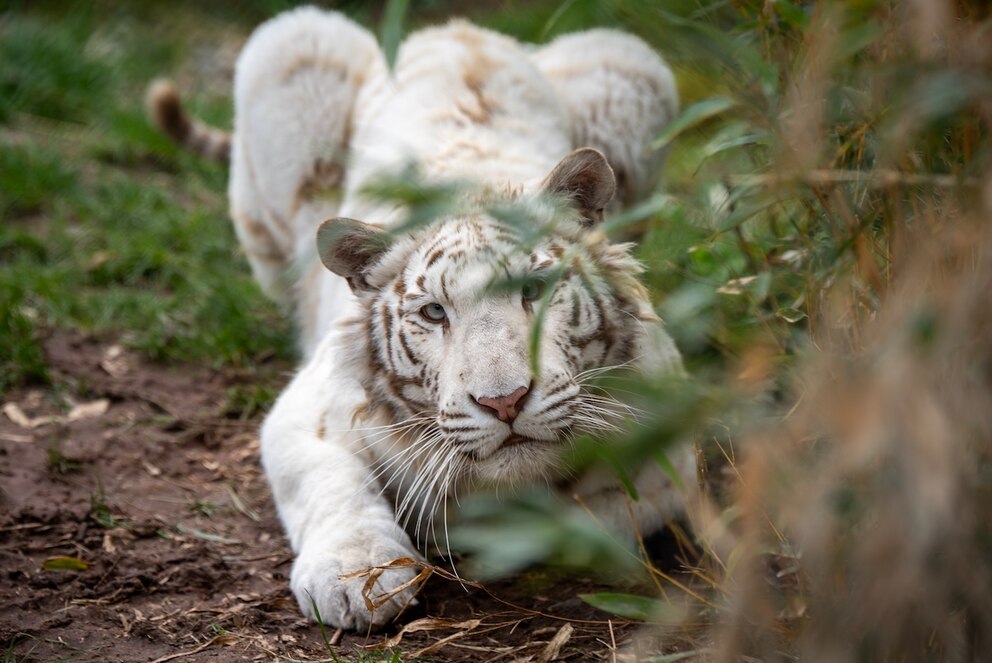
451, 314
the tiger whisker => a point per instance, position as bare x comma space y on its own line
615, 411
416, 418
399, 431
380, 470
402, 459
426, 474
441, 486
447, 544
426, 447
597, 423
598, 370
439, 502
604, 401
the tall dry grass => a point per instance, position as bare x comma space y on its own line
861, 526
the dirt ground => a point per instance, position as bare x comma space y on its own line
134, 476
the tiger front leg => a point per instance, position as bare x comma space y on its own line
336, 520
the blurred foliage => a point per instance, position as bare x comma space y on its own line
816, 140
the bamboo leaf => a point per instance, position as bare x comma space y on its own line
740, 141
650, 207
692, 116
627, 605
673, 474
791, 314
64, 564
794, 15
392, 29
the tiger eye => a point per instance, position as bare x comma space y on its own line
532, 290
433, 312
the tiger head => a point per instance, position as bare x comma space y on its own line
482, 340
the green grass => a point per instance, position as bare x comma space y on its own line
108, 228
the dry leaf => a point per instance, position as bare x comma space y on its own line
400, 563
553, 648
16, 414
98, 259
430, 624
115, 361
14, 437
88, 410
120, 534
373, 573
417, 580
735, 286
443, 641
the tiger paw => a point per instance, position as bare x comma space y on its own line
346, 586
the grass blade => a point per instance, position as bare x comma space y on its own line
392, 29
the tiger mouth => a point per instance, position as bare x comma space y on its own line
516, 440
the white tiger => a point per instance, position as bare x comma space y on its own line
417, 378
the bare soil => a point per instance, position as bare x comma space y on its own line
159, 493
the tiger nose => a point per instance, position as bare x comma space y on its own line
505, 408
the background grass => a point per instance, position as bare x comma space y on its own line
822, 147
107, 227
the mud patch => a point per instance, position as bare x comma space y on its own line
157, 504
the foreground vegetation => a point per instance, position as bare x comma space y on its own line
818, 250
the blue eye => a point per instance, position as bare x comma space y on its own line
532, 290
433, 312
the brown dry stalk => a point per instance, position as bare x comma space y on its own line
219, 639
877, 179
428, 570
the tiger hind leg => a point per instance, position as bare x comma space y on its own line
295, 85
618, 95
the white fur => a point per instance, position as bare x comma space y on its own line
618, 96
312, 86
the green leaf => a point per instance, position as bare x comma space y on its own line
741, 141
534, 343
555, 17
670, 470
627, 605
745, 210
795, 16
791, 314
64, 564
762, 286
392, 29
857, 39
692, 116
624, 477
653, 205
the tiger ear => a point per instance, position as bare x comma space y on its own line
585, 179
348, 248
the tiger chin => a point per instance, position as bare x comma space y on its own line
419, 378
